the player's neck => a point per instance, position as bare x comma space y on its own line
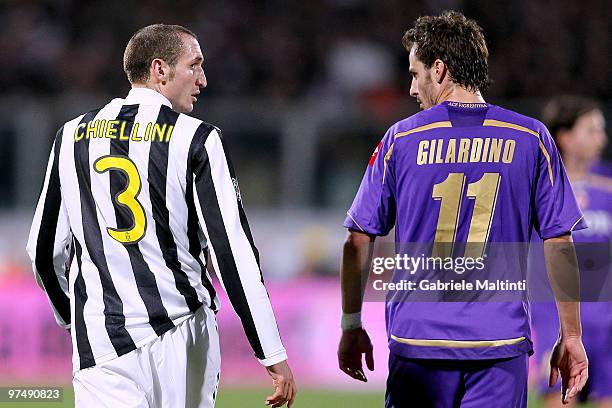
456, 93
148, 85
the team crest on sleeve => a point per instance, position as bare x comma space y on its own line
237, 189
375, 155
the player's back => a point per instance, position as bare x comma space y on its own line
127, 188
453, 174
475, 170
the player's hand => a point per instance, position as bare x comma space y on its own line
353, 344
569, 360
283, 383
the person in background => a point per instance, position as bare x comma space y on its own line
578, 126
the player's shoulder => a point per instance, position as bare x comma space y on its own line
503, 117
92, 113
197, 127
195, 133
192, 120
432, 118
82, 117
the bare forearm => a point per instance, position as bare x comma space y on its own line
569, 319
563, 274
356, 258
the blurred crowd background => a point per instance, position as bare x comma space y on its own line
303, 91
330, 73
288, 49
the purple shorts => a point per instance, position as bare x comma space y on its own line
597, 337
451, 383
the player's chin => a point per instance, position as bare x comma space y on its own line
187, 108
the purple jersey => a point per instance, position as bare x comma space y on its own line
603, 168
464, 173
595, 200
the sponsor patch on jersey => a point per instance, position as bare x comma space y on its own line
375, 155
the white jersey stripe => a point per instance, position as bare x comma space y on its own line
49, 241
137, 269
246, 263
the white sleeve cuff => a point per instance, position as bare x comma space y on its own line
275, 358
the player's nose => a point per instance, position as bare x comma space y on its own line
413, 89
201, 80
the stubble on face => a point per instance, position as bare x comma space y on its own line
182, 81
427, 100
422, 83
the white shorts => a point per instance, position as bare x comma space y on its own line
180, 368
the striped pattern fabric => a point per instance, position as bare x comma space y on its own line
135, 196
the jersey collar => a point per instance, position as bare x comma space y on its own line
146, 96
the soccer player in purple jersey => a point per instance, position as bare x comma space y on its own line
578, 127
462, 170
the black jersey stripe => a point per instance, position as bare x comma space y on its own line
46, 238
114, 319
211, 212
144, 277
243, 218
118, 180
158, 170
195, 248
86, 357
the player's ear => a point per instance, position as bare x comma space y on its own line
439, 71
159, 70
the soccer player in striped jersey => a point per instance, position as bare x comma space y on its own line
462, 170
578, 126
136, 192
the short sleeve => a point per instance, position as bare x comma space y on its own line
556, 210
373, 209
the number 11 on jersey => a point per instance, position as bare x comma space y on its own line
450, 192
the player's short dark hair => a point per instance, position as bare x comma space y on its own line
456, 40
561, 112
163, 41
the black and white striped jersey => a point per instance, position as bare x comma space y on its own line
133, 194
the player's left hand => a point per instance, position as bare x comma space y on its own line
569, 360
284, 385
353, 344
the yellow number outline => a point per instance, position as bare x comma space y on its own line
126, 198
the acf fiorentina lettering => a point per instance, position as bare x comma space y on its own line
483, 150
115, 129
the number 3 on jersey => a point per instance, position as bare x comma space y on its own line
450, 193
126, 198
